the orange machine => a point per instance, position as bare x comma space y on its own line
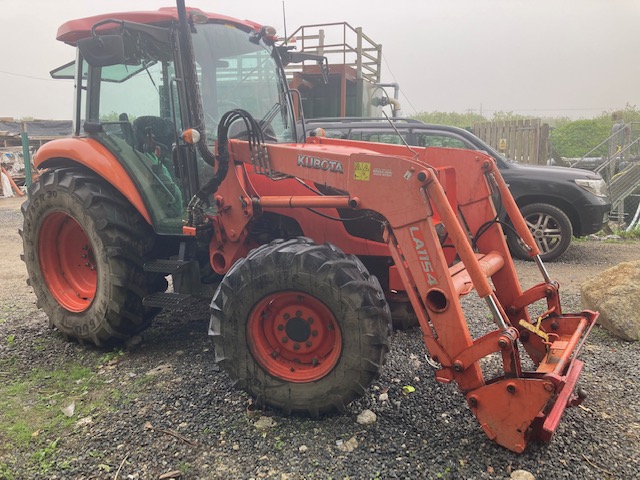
184, 163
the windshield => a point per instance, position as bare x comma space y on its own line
236, 72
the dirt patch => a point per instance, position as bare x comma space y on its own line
583, 260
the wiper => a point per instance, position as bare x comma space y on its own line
269, 116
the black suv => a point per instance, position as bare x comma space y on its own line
557, 203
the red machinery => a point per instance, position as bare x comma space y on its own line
138, 194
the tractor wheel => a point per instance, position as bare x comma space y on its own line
84, 247
550, 227
301, 327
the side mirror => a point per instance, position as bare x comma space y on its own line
102, 50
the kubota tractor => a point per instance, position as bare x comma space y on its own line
184, 163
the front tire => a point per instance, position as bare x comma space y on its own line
301, 327
84, 247
550, 227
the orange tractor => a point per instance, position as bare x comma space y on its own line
184, 163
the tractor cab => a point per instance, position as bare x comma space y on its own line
132, 97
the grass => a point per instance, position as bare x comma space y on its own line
630, 235
31, 421
30, 405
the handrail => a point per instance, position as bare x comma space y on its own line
367, 53
616, 156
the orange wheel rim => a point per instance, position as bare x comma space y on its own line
294, 336
67, 262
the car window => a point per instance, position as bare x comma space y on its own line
379, 136
432, 139
335, 133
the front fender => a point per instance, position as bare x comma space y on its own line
96, 157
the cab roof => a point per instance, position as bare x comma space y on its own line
73, 30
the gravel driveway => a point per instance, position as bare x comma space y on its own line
72, 412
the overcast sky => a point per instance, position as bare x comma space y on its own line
536, 57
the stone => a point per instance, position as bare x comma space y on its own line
349, 445
367, 417
522, 475
615, 293
303, 448
264, 423
384, 397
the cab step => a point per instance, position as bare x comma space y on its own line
168, 267
166, 300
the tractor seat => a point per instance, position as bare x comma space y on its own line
162, 134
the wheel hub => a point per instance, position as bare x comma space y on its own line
67, 261
298, 329
294, 336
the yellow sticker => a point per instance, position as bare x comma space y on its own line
362, 171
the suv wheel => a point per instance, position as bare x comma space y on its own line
550, 227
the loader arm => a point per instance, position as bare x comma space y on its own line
414, 193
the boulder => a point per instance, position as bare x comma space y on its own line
615, 293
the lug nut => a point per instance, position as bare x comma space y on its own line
310, 320
314, 333
308, 344
286, 316
296, 346
280, 328
285, 339
298, 313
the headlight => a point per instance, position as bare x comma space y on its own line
597, 187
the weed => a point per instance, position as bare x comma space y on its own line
109, 356
278, 444
44, 458
5, 472
630, 235
11, 340
96, 454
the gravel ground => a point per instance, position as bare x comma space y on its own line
164, 406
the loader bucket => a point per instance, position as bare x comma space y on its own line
512, 411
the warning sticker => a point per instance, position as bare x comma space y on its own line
382, 172
362, 171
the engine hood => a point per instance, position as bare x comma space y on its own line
558, 173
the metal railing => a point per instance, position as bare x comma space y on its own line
342, 44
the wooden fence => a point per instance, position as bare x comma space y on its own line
525, 141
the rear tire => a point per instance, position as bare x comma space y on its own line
84, 247
550, 227
301, 327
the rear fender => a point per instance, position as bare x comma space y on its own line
96, 157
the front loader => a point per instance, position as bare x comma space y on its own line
184, 163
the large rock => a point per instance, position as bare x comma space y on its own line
615, 293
